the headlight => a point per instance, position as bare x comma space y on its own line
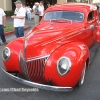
63, 65
6, 54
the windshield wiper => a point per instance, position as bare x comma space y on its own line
66, 20
62, 19
53, 19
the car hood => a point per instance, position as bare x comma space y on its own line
46, 37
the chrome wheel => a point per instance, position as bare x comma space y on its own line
81, 80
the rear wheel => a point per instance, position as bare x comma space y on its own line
81, 80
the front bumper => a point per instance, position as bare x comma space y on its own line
37, 85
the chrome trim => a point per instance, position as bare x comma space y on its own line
33, 68
9, 54
68, 66
22, 62
36, 58
92, 27
25, 43
37, 85
74, 33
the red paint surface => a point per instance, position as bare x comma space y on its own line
72, 40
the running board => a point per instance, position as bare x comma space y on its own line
93, 50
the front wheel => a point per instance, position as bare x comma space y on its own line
81, 80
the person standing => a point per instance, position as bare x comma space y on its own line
29, 13
34, 6
19, 19
2, 25
48, 5
25, 7
36, 12
41, 10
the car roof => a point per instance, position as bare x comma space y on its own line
81, 7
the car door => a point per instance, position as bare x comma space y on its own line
91, 28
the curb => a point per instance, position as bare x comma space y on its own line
12, 32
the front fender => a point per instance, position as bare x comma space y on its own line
12, 64
78, 53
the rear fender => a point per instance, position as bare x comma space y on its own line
78, 53
98, 33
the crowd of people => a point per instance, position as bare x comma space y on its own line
20, 13
36, 11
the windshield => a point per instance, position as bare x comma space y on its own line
67, 15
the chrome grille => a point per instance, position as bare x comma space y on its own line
33, 69
23, 66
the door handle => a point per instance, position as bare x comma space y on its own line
92, 27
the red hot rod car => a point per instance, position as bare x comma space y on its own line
55, 54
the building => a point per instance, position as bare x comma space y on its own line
9, 4
6, 4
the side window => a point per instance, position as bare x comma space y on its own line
90, 16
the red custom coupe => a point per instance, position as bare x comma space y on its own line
55, 54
